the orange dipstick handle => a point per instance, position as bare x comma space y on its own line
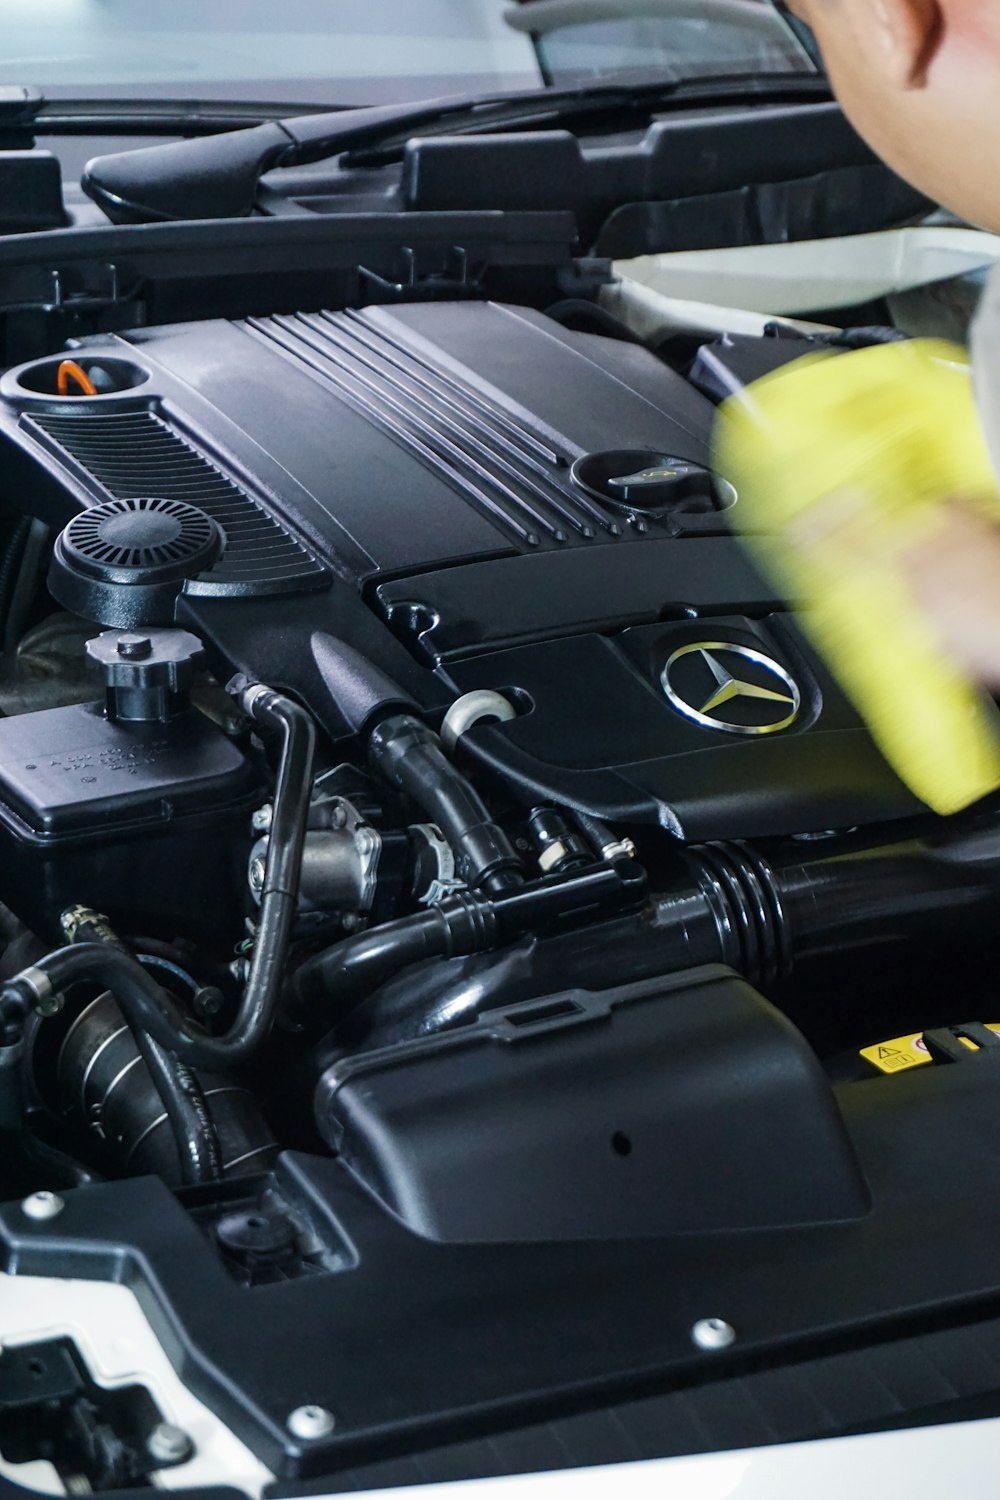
70, 373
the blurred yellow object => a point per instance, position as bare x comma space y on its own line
839, 461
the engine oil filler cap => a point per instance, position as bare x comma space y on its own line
647, 483
124, 562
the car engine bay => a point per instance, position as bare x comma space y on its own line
435, 863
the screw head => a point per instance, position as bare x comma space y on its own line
712, 1334
311, 1423
257, 872
168, 1444
42, 1206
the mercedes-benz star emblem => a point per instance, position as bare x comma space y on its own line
757, 697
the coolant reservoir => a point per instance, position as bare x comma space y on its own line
138, 807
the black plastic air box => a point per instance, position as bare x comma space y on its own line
673, 1105
146, 822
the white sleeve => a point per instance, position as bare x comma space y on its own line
985, 340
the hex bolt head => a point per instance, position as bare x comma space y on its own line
168, 1444
261, 820
208, 1001
712, 1334
311, 1423
42, 1206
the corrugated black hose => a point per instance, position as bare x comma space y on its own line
179, 1091
9, 564
25, 585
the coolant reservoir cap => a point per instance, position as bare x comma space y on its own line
147, 673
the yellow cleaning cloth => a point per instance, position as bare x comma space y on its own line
839, 461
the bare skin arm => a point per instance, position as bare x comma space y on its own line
920, 80
957, 580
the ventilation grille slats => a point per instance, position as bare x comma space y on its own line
187, 536
134, 454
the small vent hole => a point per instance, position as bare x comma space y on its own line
621, 1144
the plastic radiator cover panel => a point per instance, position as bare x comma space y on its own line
669, 1105
475, 1339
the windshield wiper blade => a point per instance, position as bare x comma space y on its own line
187, 117
217, 177
25, 113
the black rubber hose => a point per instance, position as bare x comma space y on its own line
668, 935
280, 892
59, 1169
598, 835
462, 925
182, 1098
356, 966
759, 919
409, 756
145, 1005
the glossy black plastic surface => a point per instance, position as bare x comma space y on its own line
84, 803
682, 1104
31, 192
480, 1338
400, 479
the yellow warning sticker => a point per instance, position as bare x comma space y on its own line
904, 1052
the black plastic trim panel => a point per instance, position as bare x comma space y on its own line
943, 1375
133, 454
474, 1340
517, 479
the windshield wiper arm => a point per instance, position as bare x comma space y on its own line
217, 177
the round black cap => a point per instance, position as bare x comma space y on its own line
123, 562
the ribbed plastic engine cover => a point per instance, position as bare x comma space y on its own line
416, 480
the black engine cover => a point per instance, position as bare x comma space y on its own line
404, 478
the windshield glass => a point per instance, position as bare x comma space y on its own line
376, 51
